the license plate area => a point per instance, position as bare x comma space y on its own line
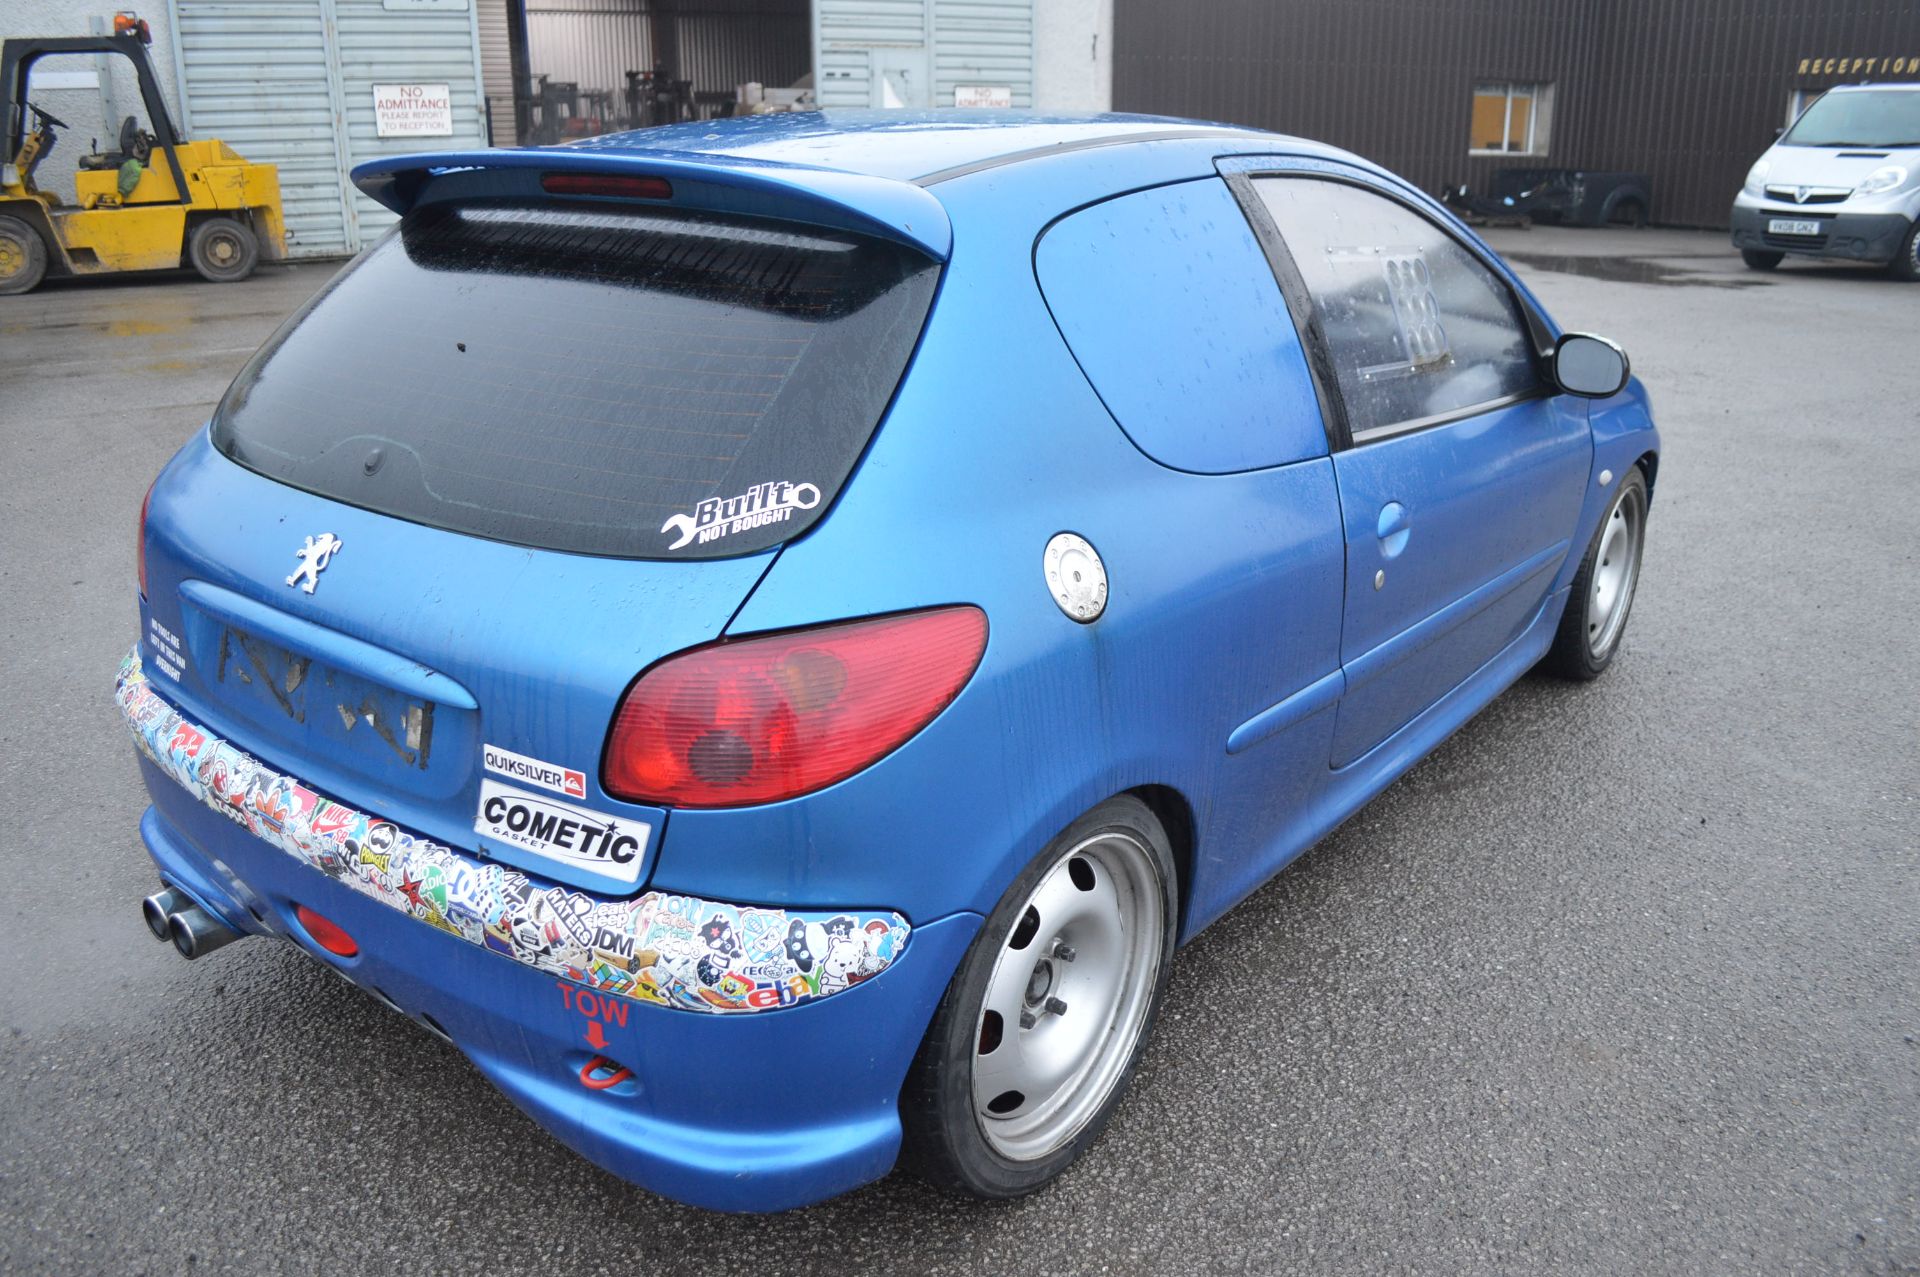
265, 675
1790, 226
339, 722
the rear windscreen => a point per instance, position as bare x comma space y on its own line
633, 383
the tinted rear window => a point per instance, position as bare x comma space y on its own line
604, 381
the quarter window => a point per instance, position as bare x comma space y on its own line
1510, 119
1417, 328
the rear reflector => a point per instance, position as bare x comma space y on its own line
764, 719
635, 188
325, 933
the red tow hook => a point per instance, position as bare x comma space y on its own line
599, 1073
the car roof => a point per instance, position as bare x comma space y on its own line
911, 146
1905, 86
865, 171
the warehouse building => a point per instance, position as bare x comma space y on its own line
1449, 92
318, 86
1444, 91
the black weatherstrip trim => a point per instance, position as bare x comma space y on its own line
1412, 424
1306, 322
1086, 144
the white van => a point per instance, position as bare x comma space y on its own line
1843, 182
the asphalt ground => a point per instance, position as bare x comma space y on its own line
1621, 979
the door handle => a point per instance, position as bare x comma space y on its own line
1394, 528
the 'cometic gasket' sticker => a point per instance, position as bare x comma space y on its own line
611, 846
677, 951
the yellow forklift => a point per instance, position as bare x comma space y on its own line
155, 203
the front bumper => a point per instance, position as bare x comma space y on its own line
754, 1111
1861, 237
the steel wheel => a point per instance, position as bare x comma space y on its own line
1068, 996
1616, 571
23, 256
223, 250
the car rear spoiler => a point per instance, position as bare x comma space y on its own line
898, 211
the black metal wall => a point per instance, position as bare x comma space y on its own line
1688, 90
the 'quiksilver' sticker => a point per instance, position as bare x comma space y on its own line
758, 506
561, 780
607, 845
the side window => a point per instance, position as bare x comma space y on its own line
1169, 305
1416, 326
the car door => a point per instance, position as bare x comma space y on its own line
1460, 472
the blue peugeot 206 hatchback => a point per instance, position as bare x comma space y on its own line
767, 634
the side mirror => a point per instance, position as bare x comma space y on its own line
1590, 366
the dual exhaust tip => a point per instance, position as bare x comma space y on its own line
172, 915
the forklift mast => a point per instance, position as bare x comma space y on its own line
16, 67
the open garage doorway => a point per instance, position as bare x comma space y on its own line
598, 66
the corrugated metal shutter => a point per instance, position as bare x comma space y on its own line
496, 67
290, 82
405, 46
255, 76
869, 22
871, 52
845, 78
983, 42
916, 52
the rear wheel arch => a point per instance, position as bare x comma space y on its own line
1175, 814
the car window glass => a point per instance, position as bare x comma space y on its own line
1416, 326
1170, 307
1889, 117
595, 379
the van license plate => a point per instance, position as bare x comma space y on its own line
1781, 226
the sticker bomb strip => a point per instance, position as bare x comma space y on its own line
676, 951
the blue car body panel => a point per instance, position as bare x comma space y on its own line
1246, 675
1435, 586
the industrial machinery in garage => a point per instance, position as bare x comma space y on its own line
154, 203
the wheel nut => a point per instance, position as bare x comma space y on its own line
1056, 1007
1063, 951
1028, 1019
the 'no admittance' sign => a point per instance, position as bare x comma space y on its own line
412, 110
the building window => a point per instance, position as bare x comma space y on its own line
1510, 119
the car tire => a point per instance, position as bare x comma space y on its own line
1602, 594
23, 257
1087, 928
223, 250
1629, 212
1906, 266
1760, 259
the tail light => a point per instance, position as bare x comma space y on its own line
140, 541
762, 719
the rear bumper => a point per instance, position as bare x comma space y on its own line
743, 1112
1861, 237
